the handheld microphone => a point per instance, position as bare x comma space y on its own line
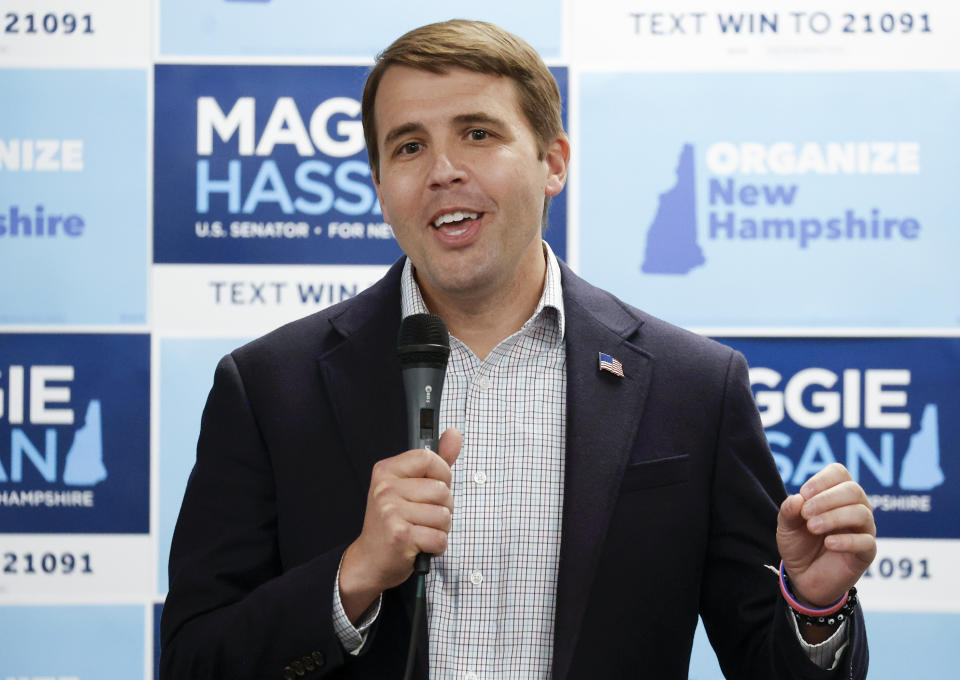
423, 346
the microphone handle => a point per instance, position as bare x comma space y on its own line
423, 386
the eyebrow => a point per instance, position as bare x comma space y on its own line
402, 130
468, 118
462, 119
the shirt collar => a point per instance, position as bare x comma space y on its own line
411, 300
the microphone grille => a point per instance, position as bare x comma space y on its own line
423, 339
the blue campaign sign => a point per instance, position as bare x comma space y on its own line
886, 408
73, 196
816, 199
360, 28
72, 642
266, 164
74, 433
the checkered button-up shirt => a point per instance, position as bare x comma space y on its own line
491, 597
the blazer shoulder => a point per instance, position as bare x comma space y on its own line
313, 336
310, 332
660, 339
663, 339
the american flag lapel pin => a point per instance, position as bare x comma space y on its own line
608, 363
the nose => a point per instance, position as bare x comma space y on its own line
446, 170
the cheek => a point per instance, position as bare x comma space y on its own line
527, 192
396, 204
401, 232
385, 211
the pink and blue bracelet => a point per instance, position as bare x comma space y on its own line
835, 614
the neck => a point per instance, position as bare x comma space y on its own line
483, 319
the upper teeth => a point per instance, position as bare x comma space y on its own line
454, 217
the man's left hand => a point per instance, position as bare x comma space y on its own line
827, 536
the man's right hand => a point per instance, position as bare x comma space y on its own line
409, 508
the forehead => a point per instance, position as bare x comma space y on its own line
406, 95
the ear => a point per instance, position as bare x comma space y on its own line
557, 159
383, 206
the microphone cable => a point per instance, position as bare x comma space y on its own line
421, 569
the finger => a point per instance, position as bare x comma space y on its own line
856, 518
789, 517
415, 463
423, 490
844, 493
427, 515
449, 448
387, 490
828, 477
863, 545
428, 540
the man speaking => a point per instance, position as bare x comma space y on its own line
603, 478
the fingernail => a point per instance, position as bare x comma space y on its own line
815, 524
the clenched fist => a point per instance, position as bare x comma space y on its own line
409, 509
827, 536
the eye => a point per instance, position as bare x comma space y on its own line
478, 135
408, 149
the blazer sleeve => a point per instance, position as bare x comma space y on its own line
743, 613
233, 611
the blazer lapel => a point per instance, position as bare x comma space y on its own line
365, 388
362, 376
603, 414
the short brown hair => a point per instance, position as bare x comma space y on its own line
476, 46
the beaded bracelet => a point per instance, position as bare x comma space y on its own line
836, 613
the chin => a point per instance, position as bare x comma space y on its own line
461, 282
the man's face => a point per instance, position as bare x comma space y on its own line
460, 179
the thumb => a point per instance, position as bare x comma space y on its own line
789, 518
449, 446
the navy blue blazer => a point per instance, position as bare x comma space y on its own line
670, 504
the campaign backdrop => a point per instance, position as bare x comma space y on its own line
73, 642
177, 178
73, 191
775, 209
888, 409
77, 421
358, 29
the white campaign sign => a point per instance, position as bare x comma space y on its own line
83, 34
75, 568
764, 35
249, 300
912, 575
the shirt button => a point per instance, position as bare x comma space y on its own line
484, 383
469, 675
480, 477
476, 578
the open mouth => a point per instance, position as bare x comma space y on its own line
455, 223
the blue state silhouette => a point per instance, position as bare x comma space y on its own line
672, 246
84, 465
921, 464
